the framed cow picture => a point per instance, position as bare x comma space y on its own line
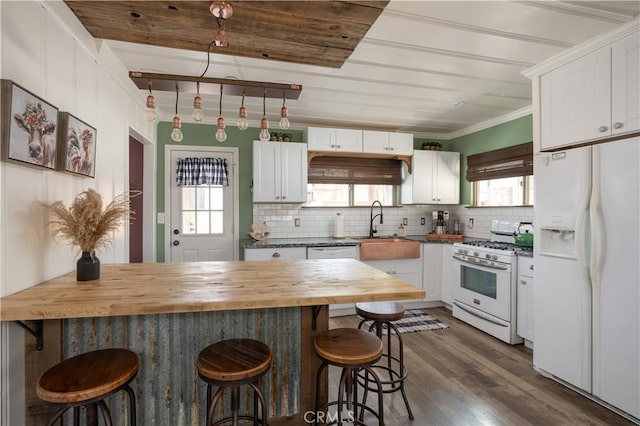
29, 126
76, 145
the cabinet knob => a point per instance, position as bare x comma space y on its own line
603, 129
332, 146
276, 254
523, 282
338, 146
531, 267
390, 148
618, 125
277, 197
284, 197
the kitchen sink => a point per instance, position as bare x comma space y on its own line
388, 248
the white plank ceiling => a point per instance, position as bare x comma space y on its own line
432, 68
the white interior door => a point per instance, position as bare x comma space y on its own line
202, 218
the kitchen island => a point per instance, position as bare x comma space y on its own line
168, 312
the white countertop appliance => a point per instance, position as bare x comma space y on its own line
485, 294
587, 297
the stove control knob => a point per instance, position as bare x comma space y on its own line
494, 257
460, 251
488, 256
476, 254
466, 252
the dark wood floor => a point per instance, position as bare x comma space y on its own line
462, 376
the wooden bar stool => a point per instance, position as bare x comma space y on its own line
382, 315
230, 364
87, 379
354, 351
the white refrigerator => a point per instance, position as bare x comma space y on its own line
587, 294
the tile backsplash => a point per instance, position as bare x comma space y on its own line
319, 222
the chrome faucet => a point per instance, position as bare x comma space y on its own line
372, 217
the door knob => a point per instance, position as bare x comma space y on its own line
176, 243
176, 231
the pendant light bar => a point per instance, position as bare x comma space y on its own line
187, 84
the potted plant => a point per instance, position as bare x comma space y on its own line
274, 136
286, 137
87, 226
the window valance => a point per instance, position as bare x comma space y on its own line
371, 171
202, 171
507, 162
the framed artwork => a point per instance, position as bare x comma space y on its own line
29, 126
77, 145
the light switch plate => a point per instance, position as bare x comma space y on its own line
160, 217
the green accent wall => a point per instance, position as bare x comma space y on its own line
203, 135
511, 133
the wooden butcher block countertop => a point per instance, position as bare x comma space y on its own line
156, 288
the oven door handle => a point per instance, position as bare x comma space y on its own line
481, 315
480, 262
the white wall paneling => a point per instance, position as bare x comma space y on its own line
46, 50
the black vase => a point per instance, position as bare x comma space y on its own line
87, 267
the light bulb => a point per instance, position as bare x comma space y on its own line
197, 109
152, 113
243, 123
221, 135
284, 121
264, 133
176, 133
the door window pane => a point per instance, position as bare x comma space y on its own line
202, 209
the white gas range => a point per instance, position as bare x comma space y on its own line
485, 296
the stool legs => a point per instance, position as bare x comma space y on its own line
349, 385
396, 379
101, 405
258, 399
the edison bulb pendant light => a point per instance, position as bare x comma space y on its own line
243, 123
264, 129
176, 133
284, 120
197, 108
221, 135
151, 112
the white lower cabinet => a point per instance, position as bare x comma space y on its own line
450, 275
525, 298
408, 270
279, 253
432, 271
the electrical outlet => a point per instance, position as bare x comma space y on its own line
296, 222
405, 221
422, 221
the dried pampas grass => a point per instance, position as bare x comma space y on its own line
84, 224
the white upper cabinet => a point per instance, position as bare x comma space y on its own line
435, 178
328, 139
593, 97
375, 142
279, 172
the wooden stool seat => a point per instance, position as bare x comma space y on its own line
230, 364
380, 311
348, 347
234, 360
355, 351
89, 378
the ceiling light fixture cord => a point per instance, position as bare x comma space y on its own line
208, 57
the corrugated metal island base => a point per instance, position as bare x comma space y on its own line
168, 312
